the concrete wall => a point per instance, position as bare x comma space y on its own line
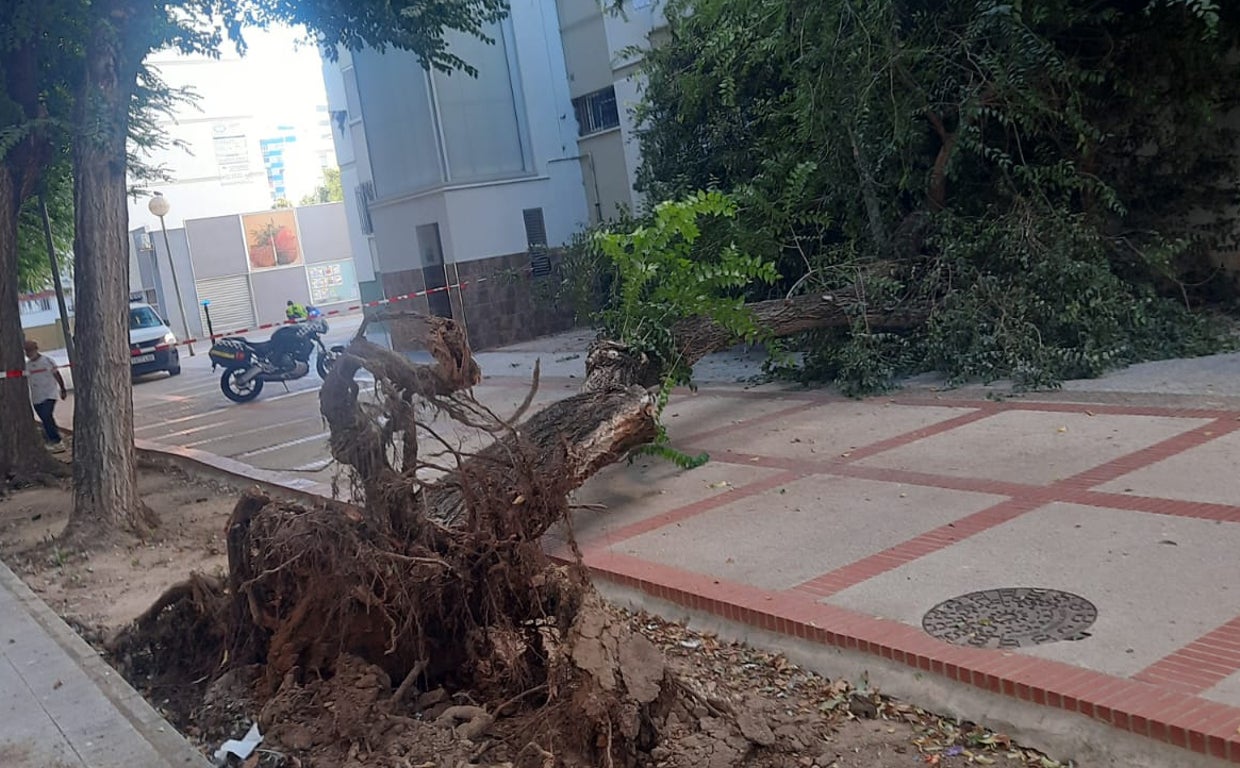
529, 141
215, 247
469, 156
273, 287
218, 246
596, 55
354, 162
394, 99
324, 232
48, 336
584, 35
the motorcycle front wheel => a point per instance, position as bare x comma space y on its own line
237, 391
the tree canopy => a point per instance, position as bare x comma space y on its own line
1047, 178
330, 191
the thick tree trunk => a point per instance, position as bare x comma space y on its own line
611, 364
22, 456
104, 482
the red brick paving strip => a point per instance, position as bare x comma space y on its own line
1085, 408
680, 514
1183, 720
1199, 665
932, 541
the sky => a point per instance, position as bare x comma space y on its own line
278, 82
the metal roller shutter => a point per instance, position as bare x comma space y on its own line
232, 306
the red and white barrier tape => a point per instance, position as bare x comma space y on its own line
349, 310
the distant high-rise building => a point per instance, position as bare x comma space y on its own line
275, 150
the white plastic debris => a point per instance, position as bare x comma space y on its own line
241, 748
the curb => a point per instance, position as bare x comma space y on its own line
1098, 719
149, 724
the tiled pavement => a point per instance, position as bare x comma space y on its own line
61, 706
843, 522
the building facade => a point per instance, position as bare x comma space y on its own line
215, 153
602, 54
476, 181
240, 269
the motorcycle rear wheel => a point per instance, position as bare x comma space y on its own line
239, 393
324, 362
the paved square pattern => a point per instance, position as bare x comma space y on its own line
831, 430
1147, 574
1208, 473
1031, 446
1226, 691
636, 493
787, 535
844, 522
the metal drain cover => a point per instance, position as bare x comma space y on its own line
1011, 617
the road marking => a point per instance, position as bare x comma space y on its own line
168, 422
242, 433
282, 446
314, 466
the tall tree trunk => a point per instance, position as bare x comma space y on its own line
22, 457
104, 478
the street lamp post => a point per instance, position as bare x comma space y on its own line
159, 206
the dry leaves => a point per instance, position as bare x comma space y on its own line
725, 670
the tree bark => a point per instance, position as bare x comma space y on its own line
104, 479
22, 457
869, 193
937, 194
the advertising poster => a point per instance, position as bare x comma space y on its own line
271, 239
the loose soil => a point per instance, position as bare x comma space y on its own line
798, 718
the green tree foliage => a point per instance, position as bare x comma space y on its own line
330, 191
657, 281
33, 267
1041, 175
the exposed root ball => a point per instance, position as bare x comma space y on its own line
430, 615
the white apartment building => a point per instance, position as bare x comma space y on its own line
456, 178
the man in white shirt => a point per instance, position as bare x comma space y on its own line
44, 380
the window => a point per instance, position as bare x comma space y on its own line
596, 111
536, 238
143, 317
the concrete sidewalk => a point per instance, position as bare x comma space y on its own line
61, 706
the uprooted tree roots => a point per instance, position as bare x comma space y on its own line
428, 620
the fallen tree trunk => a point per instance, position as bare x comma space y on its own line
611, 364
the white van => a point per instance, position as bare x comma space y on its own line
152, 344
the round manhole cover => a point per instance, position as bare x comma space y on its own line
1011, 617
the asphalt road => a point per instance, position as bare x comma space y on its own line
282, 430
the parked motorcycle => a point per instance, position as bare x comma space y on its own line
286, 357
